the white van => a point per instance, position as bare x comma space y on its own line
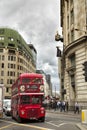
6, 102
8, 110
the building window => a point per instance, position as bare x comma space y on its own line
2, 73
68, 38
72, 16
12, 66
3, 57
11, 73
1, 44
2, 65
1, 38
11, 58
10, 81
11, 38
67, 22
7, 89
7, 81
8, 73
11, 45
11, 51
18, 41
2, 81
1, 31
1, 50
72, 60
72, 78
73, 81
67, 5
8, 57
72, 35
71, 2
9, 65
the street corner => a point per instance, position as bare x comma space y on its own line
81, 126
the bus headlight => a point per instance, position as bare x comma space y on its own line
22, 112
42, 110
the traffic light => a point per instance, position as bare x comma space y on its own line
58, 52
85, 70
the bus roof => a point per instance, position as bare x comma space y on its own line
31, 75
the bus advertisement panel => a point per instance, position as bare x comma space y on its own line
27, 97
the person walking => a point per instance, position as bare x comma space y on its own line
67, 106
76, 107
55, 104
58, 105
63, 105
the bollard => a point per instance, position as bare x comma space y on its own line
84, 116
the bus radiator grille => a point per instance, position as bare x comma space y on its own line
33, 113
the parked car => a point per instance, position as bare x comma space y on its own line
8, 110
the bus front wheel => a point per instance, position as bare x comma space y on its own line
42, 119
19, 120
12, 115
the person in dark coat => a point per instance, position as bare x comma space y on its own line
67, 106
55, 104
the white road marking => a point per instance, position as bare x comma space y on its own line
56, 125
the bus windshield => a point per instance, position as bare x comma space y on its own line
36, 99
25, 99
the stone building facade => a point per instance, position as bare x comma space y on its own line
74, 27
15, 58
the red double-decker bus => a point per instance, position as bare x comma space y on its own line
27, 97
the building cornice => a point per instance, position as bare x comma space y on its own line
75, 43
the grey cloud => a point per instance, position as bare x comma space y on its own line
36, 21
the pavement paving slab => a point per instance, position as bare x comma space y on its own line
81, 126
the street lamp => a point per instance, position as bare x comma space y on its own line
58, 52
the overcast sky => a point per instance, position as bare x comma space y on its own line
37, 21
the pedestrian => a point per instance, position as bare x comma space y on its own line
63, 105
55, 104
76, 108
67, 106
58, 104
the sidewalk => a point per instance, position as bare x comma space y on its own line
65, 113
81, 126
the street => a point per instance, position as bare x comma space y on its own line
54, 121
63, 121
